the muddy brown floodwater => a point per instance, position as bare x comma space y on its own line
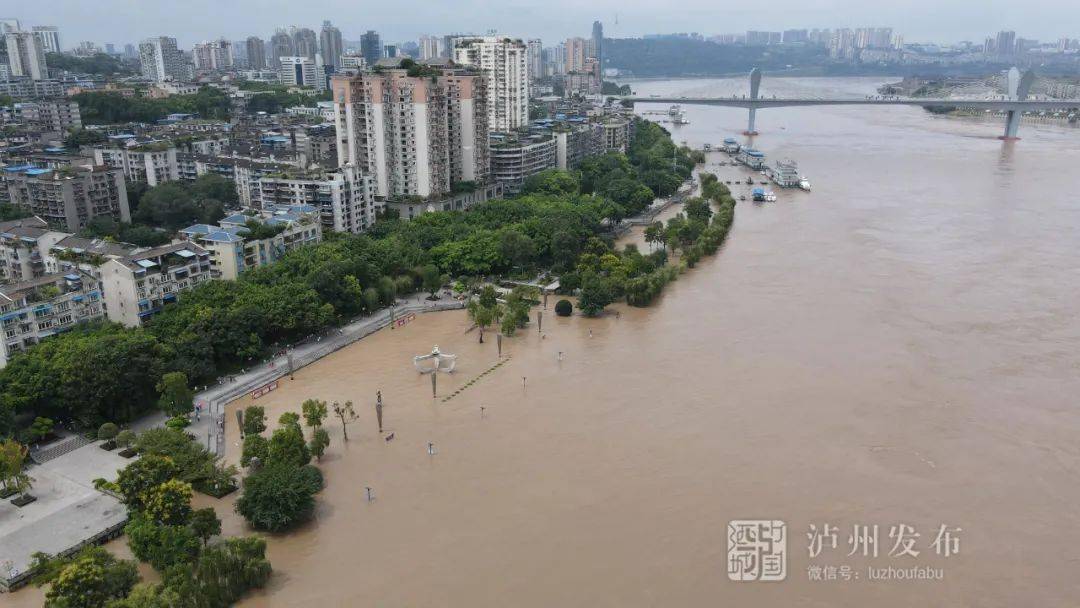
898, 347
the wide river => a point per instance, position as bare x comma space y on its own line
899, 347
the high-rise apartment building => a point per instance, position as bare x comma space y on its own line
161, 60
56, 116
371, 47
344, 199
26, 55
535, 52
429, 47
415, 135
1005, 43
50, 37
598, 43
305, 42
503, 60
214, 55
331, 45
281, 45
256, 53
577, 50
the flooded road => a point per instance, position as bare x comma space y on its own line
898, 347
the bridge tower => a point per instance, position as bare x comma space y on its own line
755, 84
1019, 87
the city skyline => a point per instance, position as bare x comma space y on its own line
124, 21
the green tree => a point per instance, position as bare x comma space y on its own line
595, 295
697, 209
320, 440
205, 524
551, 181
41, 428
287, 446
482, 316
431, 280
91, 579
221, 574
176, 397
279, 496
83, 137
140, 477
346, 414
108, 431
13, 477
314, 412
564, 308
125, 438
169, 504
255, 446
254, 420
162, 546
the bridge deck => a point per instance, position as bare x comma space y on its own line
987, 104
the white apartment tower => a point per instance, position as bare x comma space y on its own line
26, 55
416, 135
505, 63
161, 60
50, 37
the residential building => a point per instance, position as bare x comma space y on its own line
371, 47
535, 53
138, 285
24, 247
50, 37
70, 197
429, 48
331, 45
618, 133
241, 242
503, 60
598, 43
37, 308
577, 50
213, 55
302, 72
25, 88
26, 56
244, 172
161, 60
153, 164
281, 45
350, 61
796, 37
345, 198
574, 143
415, 135
53, 115
515, 157
409, 208
256, 53
305, 43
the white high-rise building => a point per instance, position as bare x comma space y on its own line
331, 44
26, 55
416, 135
50, 37
429, 47
161, 60
302, 72
535, 53
504, 60
214, 55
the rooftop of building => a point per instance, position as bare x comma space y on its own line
25, 228
31, 288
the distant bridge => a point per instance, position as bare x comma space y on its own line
1015, 103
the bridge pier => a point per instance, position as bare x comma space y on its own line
750, 125
1012, 125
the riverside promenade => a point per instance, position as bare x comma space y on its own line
209, 426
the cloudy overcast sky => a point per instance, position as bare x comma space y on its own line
120, 21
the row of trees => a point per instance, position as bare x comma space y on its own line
111, 108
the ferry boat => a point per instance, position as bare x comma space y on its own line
804, 184
706, 147
770, 197
758, 194
674, 110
